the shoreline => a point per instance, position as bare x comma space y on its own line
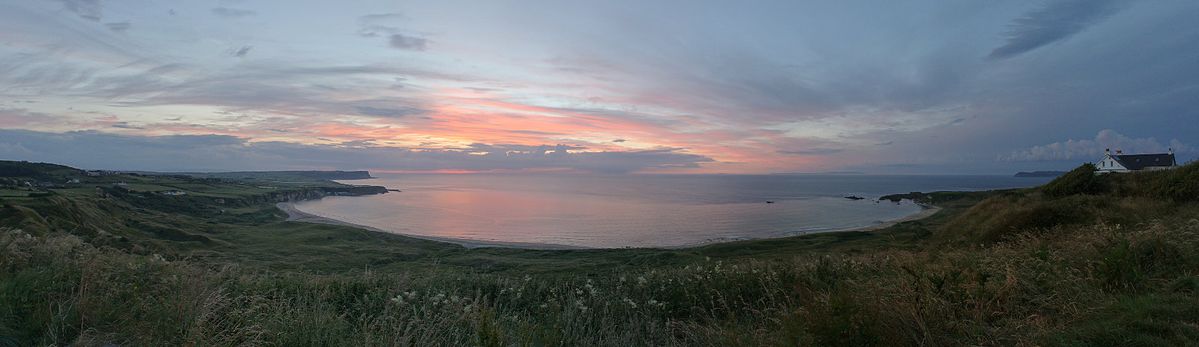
926, 211
296, 215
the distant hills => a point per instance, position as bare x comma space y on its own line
282, 175
1039, 173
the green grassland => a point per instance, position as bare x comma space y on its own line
1085, 260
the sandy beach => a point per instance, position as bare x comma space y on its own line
295, 215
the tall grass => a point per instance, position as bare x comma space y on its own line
1028, 289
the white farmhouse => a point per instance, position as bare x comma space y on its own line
1121, 162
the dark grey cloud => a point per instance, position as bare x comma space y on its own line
241, 52
619, 140
119, 27
232, 12
388, 25
97, 150
126, 125
402, 41
1056, 21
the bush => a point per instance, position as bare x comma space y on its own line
1081, 180
1181, 184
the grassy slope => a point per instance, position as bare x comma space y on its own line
1103, 262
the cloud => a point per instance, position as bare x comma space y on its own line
1092, 149
98, 150
232, 12
1055, 21
241, 52
402, 41
126, 125
619, 140
387, 24
373, 25
119, 27
387, 112
381, 17
86, 9
19, 117
813, 151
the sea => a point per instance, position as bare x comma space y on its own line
621, 211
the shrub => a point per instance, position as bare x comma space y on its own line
1081, 180
1181, 184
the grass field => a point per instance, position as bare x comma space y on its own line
1086, 260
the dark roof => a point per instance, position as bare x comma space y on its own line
1141, 161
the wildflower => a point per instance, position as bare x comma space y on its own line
640, 279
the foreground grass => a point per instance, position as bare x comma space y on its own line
1114, 265
1093, 285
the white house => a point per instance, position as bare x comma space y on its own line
1121, 162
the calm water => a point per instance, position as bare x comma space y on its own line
634, 210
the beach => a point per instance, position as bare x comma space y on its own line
296, 215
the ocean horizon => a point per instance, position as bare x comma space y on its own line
618, 211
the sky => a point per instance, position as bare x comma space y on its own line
759, 87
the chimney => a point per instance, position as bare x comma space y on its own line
1119, 151
1171, 152
1107, 151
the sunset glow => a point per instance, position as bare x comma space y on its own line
445, 87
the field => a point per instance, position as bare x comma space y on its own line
1085, 260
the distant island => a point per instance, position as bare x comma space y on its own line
1039, 173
